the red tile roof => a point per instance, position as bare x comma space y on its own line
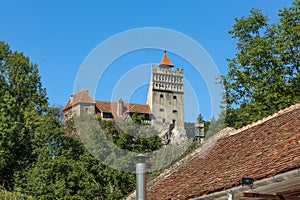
105, 106
166, 61
260, 150
83, 97
111, 107
80, 97
138, 108
129, 107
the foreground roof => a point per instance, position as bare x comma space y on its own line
263, 149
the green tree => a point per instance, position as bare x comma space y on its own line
263, 77
22, 102
40, 158
66, 170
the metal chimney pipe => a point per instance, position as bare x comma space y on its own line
141, 178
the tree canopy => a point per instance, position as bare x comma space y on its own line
40, 157
22, 106
264, 75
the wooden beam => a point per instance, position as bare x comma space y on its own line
269, 196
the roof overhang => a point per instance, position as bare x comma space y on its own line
282, 182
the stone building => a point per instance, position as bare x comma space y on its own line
164, 108
166, 99
82, 103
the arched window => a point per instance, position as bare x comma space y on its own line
174, 97
161, 96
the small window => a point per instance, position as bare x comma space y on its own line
161, 110
86, 110
107, 115
174, 121
175, 111
161, 96
163, 120
174, 97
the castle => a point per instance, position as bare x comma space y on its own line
164, 107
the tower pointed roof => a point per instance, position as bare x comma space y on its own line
165, 61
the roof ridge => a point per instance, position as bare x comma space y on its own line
265, 119
124, 102
106, 101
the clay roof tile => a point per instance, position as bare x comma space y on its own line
80, 97
166, 61
260, 150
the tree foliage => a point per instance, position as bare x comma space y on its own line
22, 105
264, 75
40, 158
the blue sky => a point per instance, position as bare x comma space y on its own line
59, 35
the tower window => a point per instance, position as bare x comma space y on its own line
174, 121
174, 97
175, 111
161, 96
163, 120
161, 110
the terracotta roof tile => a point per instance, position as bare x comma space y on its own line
128, 108
138, 108
82, 96
166, 61
105, 106
263, 149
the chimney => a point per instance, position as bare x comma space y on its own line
199, 135
120, 107
71, 98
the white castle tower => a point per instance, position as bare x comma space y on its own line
166, 100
